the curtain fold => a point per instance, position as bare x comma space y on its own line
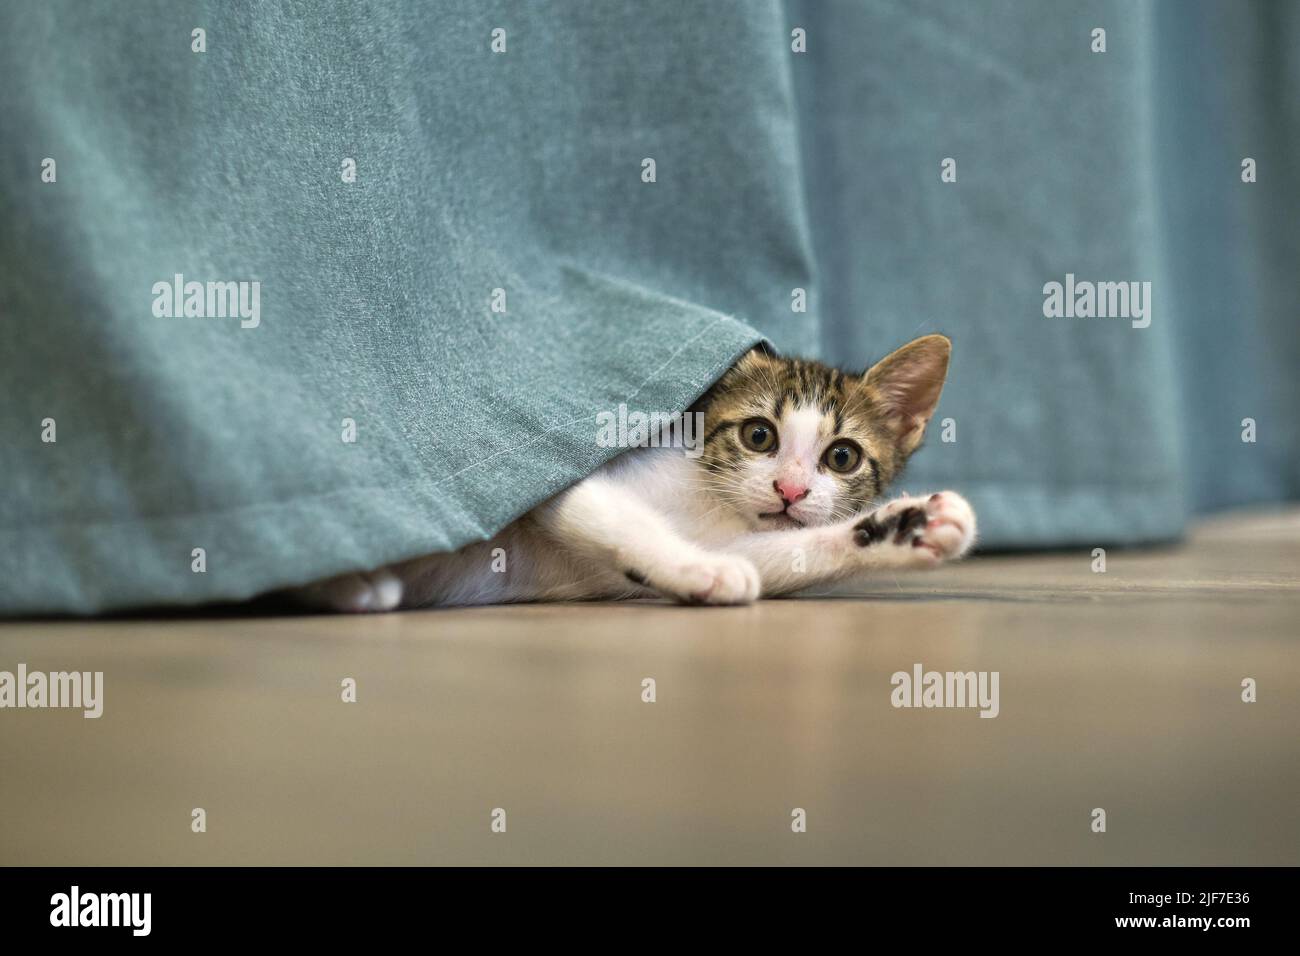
461, 259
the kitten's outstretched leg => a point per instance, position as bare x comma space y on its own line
608, 524
905, 533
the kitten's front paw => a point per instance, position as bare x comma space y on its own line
709, 579
938, 528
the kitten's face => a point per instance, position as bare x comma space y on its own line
793, 443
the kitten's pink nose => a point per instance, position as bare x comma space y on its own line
790, 491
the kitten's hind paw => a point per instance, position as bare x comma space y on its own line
938, 528
361, 593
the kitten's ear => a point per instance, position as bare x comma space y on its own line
906, 384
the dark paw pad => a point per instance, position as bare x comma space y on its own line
870, 530
910, 521
901, 525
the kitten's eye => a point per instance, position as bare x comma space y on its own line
843, 456
758, 434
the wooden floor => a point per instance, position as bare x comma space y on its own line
1119, 690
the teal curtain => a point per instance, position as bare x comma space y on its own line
1226, 87
435, 336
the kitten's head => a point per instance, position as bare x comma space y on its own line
791, 442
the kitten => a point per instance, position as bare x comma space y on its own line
780, 499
